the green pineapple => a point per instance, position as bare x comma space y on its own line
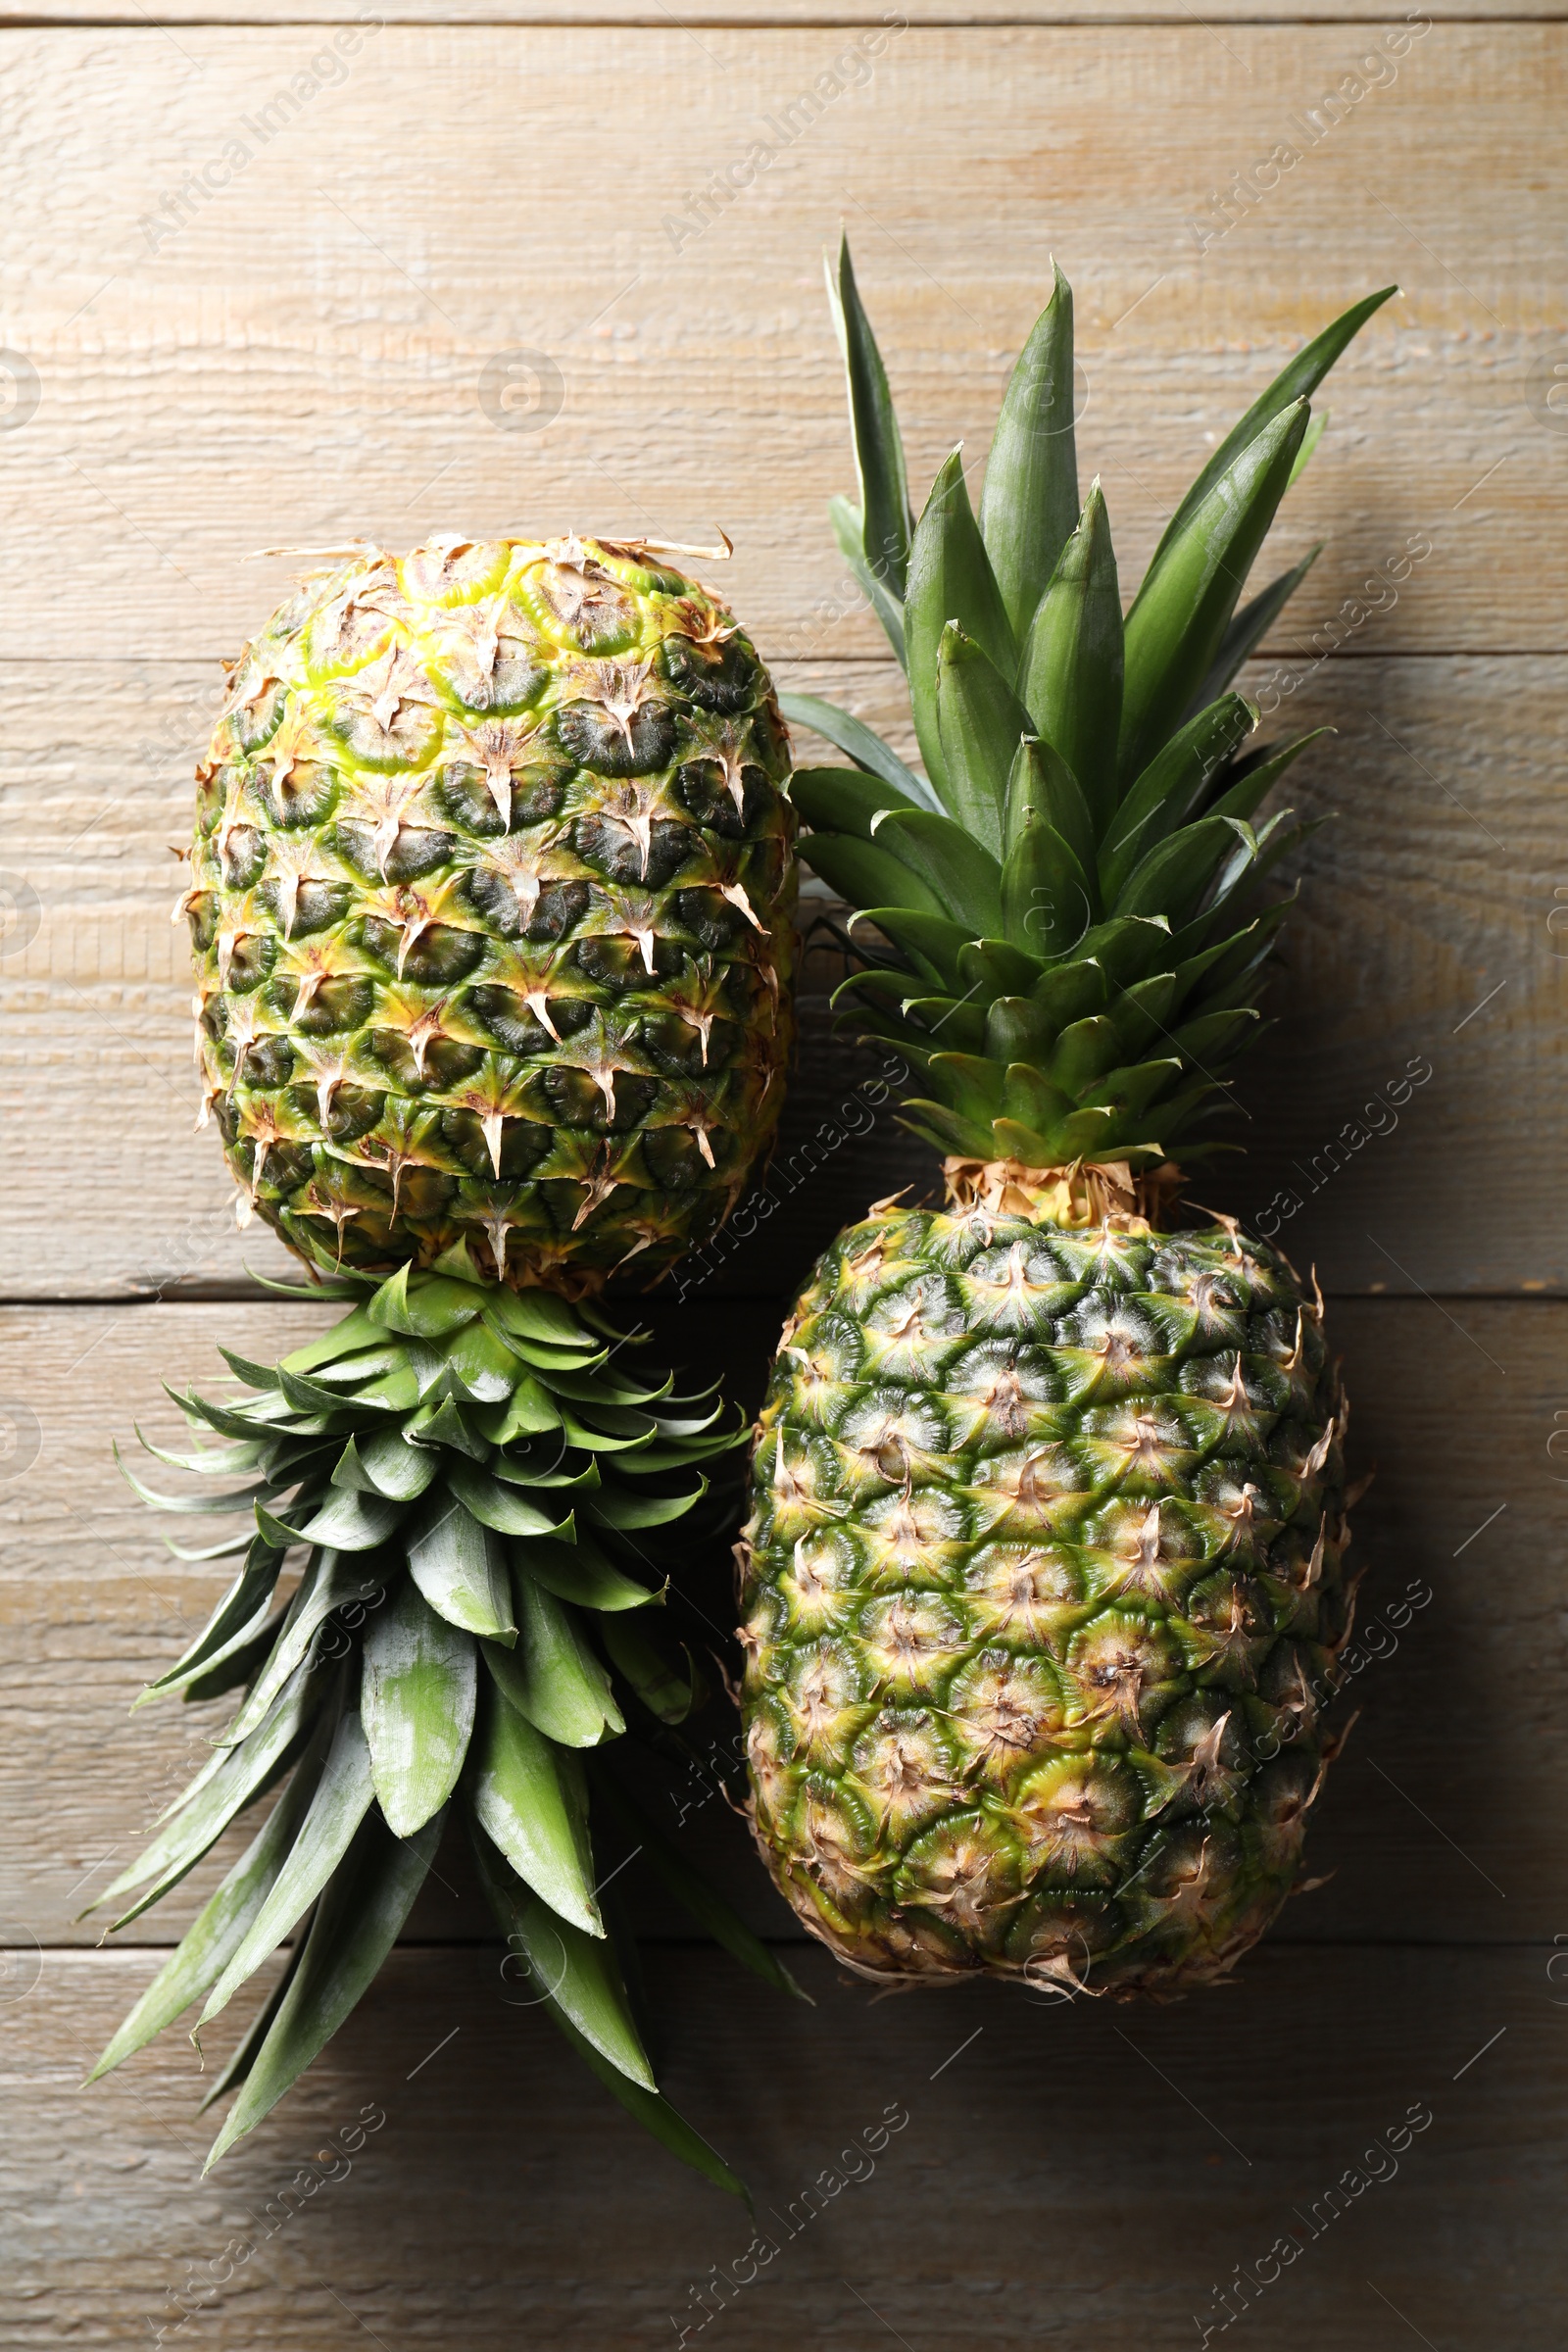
491, 907
1045, 1585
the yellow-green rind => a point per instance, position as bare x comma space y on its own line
1044, 1598
490, 897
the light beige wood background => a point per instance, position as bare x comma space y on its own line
300, 360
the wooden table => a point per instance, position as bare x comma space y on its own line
264, 281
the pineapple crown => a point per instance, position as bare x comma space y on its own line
1074, 948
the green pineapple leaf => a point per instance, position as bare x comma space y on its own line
1029, 503
950, 1130
332, 1581
957, 872
1133, 1088
1177, 871
979, 719
1041, 784
1250, 779
340, 1802
868, 875
575, 1973
1031, 1101
1083, 1050
458, 1566
950, 580
858, 742
933, 943
1299, 379
527, 1795
234, 1619
234, 1666
616, 1506
345, 1521
500, 1507
1072, 668
581, 1573
844, 799
1047, 900
1250, 624
357, 1921
1304, 456
886, 520
1018, 1030
220, 1926
580, 1987
417, 1692
552, 1676
237, 1779
658, 1671
251, 2042
988, 968
1180, 614
392, 1466
967, 1083
1140, 1012
849, 529
701, 1901
1170, 790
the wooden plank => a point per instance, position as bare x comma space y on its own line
740, 18
986, 2168
1424, 937
1460, 1531
341, 395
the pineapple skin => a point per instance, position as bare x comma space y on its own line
1044, 1598
490, 899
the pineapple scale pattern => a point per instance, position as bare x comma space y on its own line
491, 905
1044, 1598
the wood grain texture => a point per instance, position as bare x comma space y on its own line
293, 352
719, 17
1430, 932
1051, 2177
1462, 1532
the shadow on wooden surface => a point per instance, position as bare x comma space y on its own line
963, 2168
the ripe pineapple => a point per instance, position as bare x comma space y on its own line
491, 909
490, 898
1044, 1583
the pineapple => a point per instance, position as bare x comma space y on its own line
490, 901
490, 897
1044, 1585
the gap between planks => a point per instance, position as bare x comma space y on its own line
631, 23
246, 1295
884, 661
1273, 1939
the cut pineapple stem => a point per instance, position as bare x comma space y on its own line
474, 1476
1086, 1193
